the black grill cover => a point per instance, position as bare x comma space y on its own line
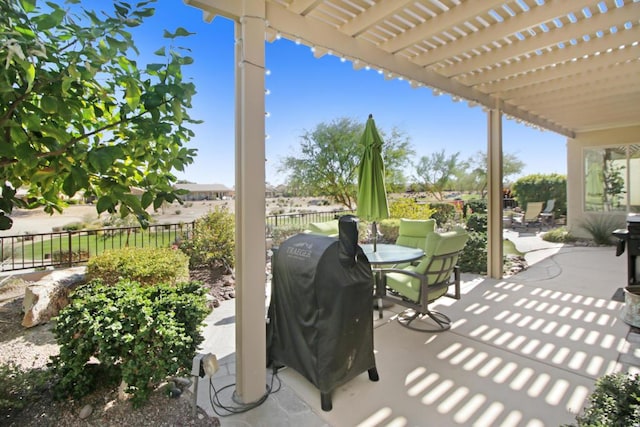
320, 313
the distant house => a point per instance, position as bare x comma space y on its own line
205, 192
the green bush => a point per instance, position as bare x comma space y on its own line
213, 240
615, 401
138, 334
406, 207
389, 229
74, 226
474, 206
477, 222
62, 257
559, 235
600, 227
20, 388
473, 258
540, 188
145, 265
444, 212
281, 233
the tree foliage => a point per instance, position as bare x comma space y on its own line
437, 172
77, 112
327, 164
475, 176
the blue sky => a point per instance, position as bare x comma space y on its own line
305, 91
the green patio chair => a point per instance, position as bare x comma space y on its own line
413, 232
416, 286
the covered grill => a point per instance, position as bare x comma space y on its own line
320, 313
630, 237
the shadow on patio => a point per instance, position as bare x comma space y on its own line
522, 351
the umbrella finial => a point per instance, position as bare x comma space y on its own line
370, 116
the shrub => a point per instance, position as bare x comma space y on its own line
477, 222
408, 208
139, 334
282, 232
600, 227
540, 188
148, 266
20, 388
213, 240
615, 401
444, 212
473, 258
74, 226
475, 206
62, 257
559, 235
389, 229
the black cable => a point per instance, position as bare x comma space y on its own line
233, 410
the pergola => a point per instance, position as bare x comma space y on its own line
569, 66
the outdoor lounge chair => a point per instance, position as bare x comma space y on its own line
531, 217
547, 216
415, 287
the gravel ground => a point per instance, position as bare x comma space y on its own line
30, 349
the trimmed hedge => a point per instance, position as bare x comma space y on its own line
148, 266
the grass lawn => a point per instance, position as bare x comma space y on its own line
509, 248
90, 244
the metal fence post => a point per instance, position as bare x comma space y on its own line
70, 247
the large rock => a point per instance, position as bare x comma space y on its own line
45, 298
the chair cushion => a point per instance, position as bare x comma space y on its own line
413, 232
326, 228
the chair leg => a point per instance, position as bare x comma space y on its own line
407, 318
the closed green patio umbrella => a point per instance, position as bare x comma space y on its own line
372, 194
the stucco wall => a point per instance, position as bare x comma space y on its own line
575, 170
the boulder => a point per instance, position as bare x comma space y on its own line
46, 297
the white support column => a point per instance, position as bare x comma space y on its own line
250, 203
495, 197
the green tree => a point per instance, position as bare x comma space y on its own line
77, 112
474, 176
327, 164
437, 172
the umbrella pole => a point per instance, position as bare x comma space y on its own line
374, 228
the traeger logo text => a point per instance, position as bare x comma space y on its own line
300, 250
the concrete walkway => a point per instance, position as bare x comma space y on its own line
522, 351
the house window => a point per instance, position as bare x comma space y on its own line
612, 179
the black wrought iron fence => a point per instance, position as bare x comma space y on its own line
303, 218
68, 248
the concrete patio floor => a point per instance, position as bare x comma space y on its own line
523, 351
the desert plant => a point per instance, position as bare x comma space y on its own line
615, 401
148, 266
477, 222
444, 212
408, 208
559, 235
20, 388
282, 232
389, 229
213, 240
138, 334
600, 228
473, 258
